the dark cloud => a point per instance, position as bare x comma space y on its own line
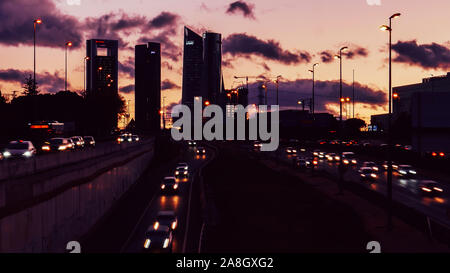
241, 44
127, 89
127, 67
427, 56
46, 81
241, 7
327, 92
16, 24
327, 56
167, 85
168, 48
164, 19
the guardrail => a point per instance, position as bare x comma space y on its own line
16, 168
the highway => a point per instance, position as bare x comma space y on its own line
405, 190
180, 202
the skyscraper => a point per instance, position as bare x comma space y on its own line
102, 65
192, 66
212, 66
148, 87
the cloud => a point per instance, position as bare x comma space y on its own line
164, 19
127, 89
167, 85
127, 67
241, 44
427, 56
327, 92
46, 81
327, 56
16, 21
241, 7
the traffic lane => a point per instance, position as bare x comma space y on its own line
431, 206
176, 202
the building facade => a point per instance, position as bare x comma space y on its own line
192, 66
148, 87
102, 65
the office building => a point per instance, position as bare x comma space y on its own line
102, 66
192, 66
148, 87
212, 66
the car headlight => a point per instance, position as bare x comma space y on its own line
62, 147
337, 158
294, 151
177, 172
27, 154
354, 161
438, 189
402, 172
346, 161
163, 186
174, 224
46, 148
166, 243
185, 172
175, 186
6, 154
373, 175
147, 243
375, 168
412, 172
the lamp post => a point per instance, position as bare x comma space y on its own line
265, 93
313, 97
277, 81
389, 174
341, 100
35, 23
68, 44
84, 73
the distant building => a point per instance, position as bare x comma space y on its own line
212, 66
102, 65
202, 67
192, 66
148, 87
425, 106
379, 123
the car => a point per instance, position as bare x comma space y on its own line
300, 162
201, 151
192, 143
372, 165
406, 171
333, 157
430, 188
166, 218
79, 142
124, 138
367, 174
89, 141
56, 144
181, 173
71, 145
135, 138
159, 238
19, 149
291, 150
394, 165
169, 184
349, 158
183, 165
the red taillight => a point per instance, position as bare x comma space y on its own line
433, 154
441, 154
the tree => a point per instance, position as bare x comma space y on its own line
30, 88
2, 98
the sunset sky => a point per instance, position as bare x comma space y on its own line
284, 37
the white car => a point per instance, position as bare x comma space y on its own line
183, 165
20, 148
406, 170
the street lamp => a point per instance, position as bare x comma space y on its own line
313, 97
68, 44
264, 86
341, 100
35, 22
277, 81
389, 174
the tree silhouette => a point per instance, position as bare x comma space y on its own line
30, 88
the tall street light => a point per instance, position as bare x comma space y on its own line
277, 81
264, 86
35, 23
313, 97
389, 174
84, 73
68, 44
341, 101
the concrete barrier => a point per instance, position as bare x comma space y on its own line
10, 169
65, 206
